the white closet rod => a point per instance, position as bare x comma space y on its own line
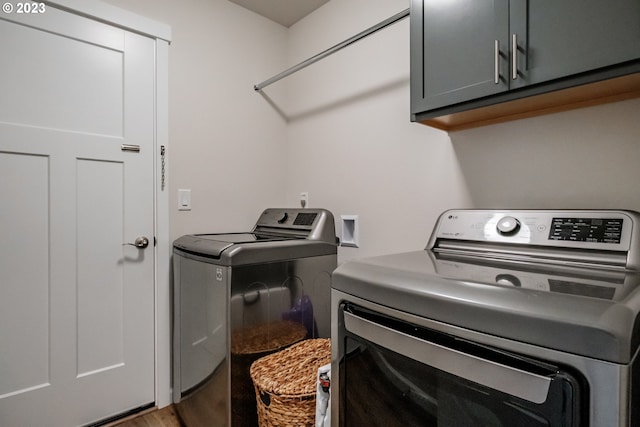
392, 20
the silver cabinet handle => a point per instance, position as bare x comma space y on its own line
140, 243
513, 381
514, 58
496, 62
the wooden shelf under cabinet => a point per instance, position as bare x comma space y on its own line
616, 89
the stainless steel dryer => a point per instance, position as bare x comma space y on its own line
507, 318
239, 296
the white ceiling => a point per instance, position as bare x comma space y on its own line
284, 12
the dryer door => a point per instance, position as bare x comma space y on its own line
418, 376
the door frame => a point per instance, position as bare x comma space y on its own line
161, 34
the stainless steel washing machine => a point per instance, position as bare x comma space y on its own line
240, 296
507, 318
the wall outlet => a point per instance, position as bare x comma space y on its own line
304, 199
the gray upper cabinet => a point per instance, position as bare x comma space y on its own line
468, 54
560, 38
453, 50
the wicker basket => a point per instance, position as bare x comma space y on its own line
247, 346
268, 337
285, 383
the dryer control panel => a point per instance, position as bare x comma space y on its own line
505, 232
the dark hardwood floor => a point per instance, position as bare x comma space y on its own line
165, 417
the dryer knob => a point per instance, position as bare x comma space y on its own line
508, 226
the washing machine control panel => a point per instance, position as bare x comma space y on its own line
306, 223
285, 218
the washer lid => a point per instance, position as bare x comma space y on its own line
212, 245
588, 312
234, 249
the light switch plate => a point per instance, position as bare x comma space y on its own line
184, 199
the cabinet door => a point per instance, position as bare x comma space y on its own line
561, 38
453, 51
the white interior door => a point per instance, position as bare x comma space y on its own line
76, 304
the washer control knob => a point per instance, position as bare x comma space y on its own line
508, 226
283, 218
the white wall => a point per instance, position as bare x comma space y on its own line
225, 143
350, 142
585, 158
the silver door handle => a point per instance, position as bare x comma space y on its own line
513, 381
140, 243
130, 147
